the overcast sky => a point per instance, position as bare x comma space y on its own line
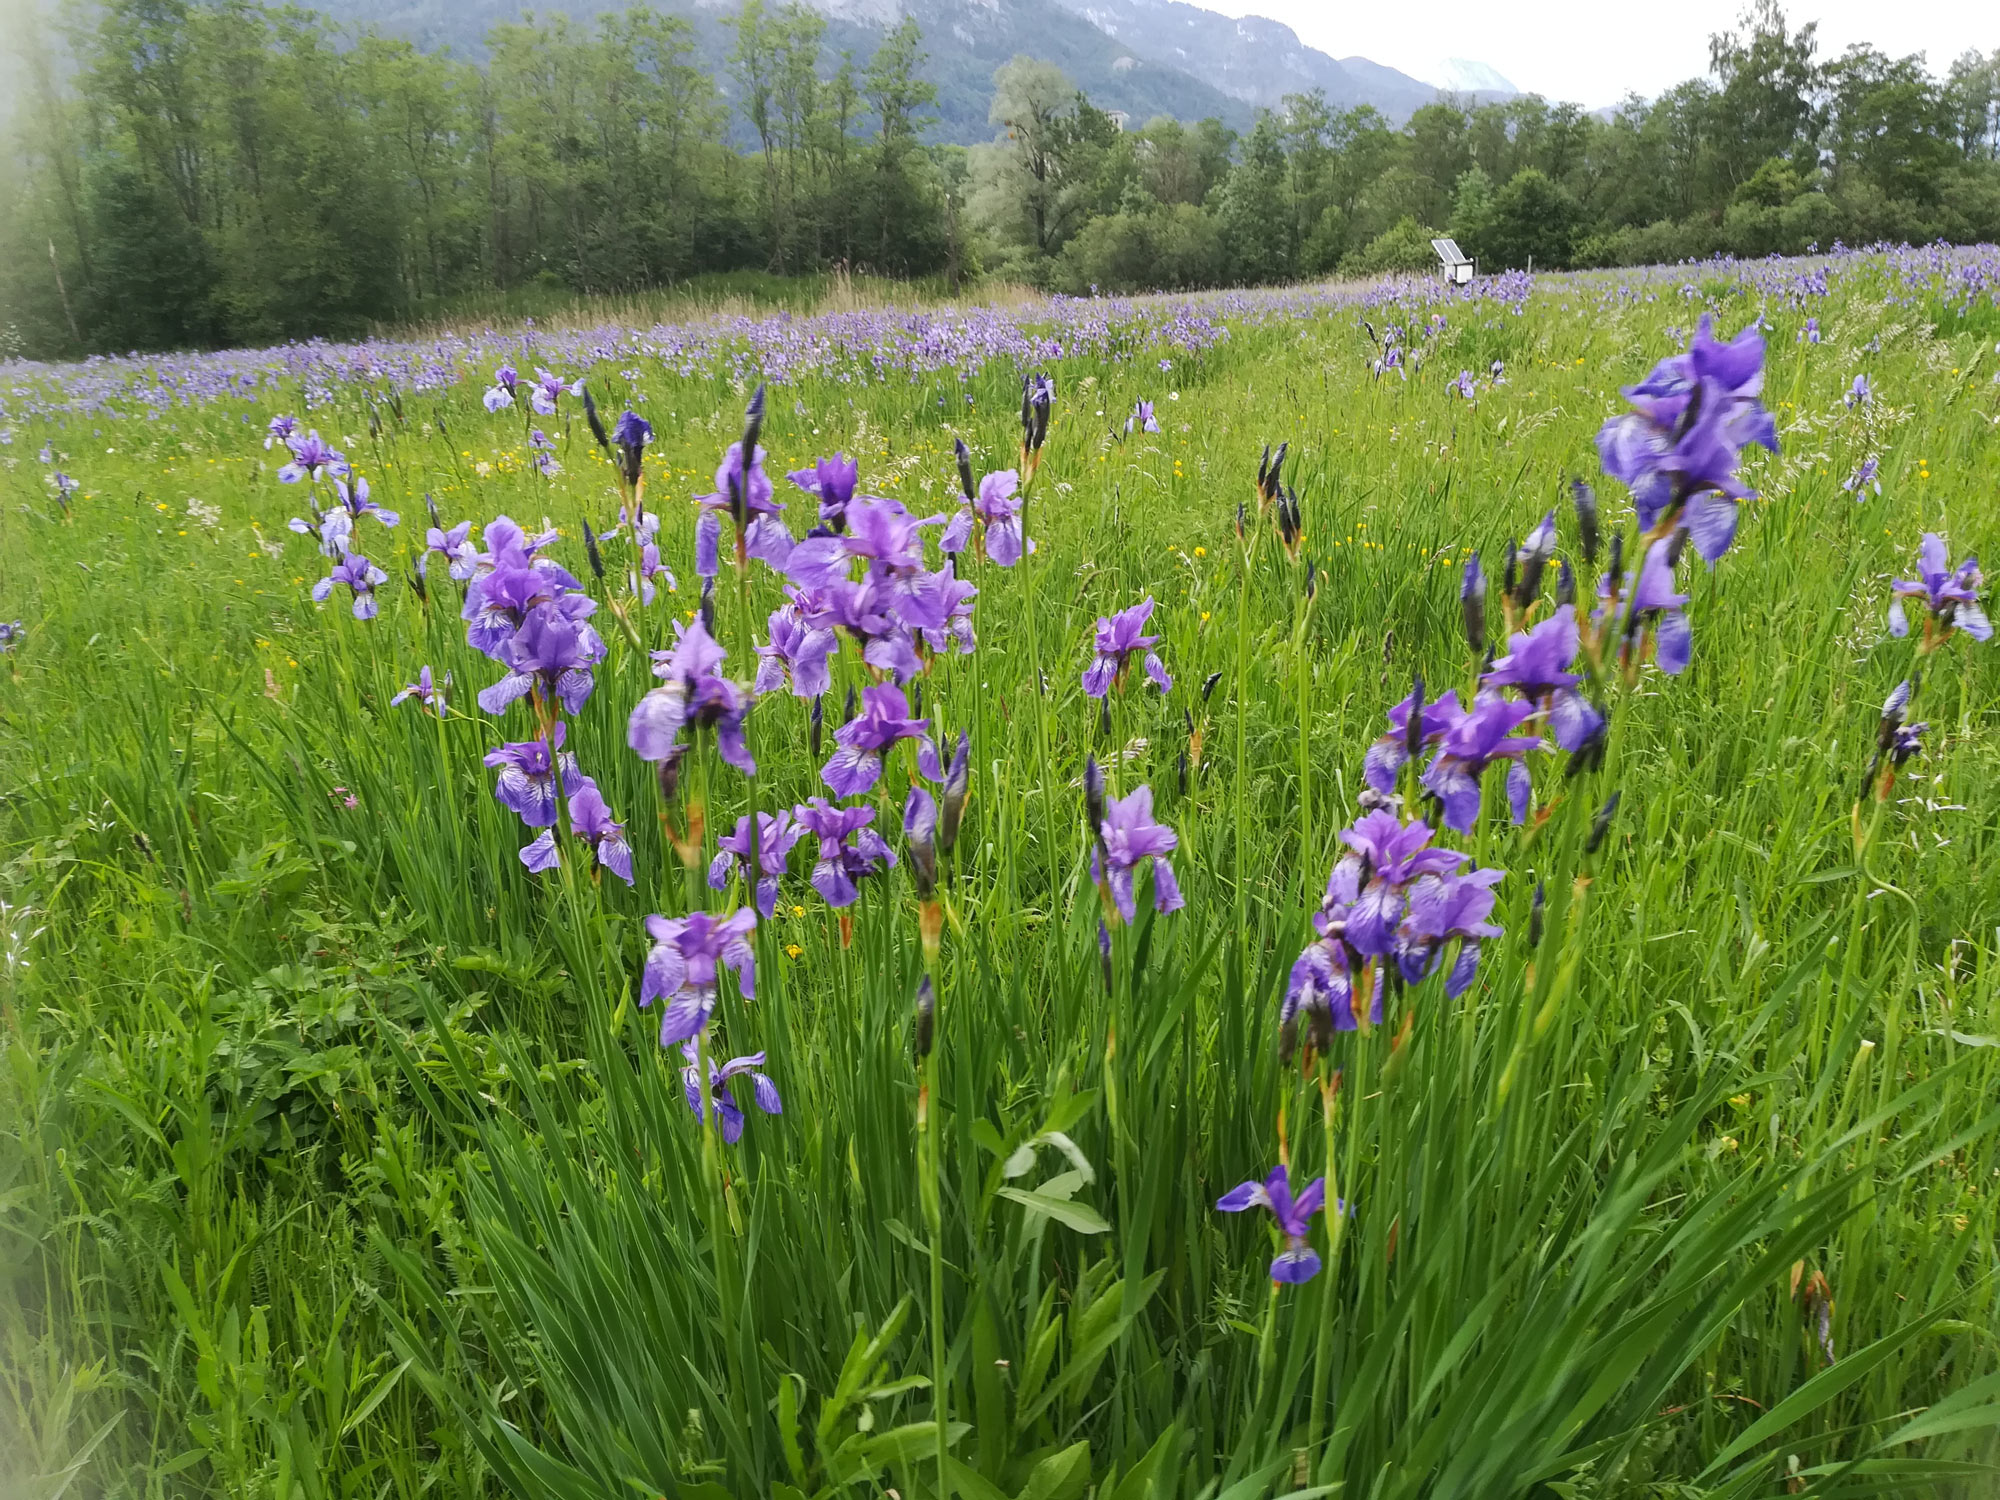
1595, 51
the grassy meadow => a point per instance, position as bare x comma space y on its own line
339, 1158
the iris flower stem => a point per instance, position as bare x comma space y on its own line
1329, 1302
1242, 743
1267, 1352
932, 1189
718, 1230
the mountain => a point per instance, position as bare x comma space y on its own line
1139, 57
1463, 76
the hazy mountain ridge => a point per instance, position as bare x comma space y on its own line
1139, 57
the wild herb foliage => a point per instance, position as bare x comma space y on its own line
391, 1108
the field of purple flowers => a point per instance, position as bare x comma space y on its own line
1370, 892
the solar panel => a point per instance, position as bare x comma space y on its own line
1448, 252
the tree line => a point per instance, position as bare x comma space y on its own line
202, 172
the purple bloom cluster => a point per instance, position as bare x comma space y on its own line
998, 509
849, 850
728, 1113
1120, 637
1297, 1262
1127, 837
685, 961
1392, 898
693, 695
1950, 596
1678, 450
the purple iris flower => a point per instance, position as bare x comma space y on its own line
1119, 638
591, 821
1479, 738
693, 695
499, 603
280, 431
351, 490
1142, 418
1864, 477
527, 780
65, 485
686, 958
764, 537
776, 834
1465, 386
360, 575
1861, 393
651, 568
496, 399
728, 1114
458, 553
310, 458
841, 863
1388, 755
547, 392
1297, 1262
630, 434
1000, 509
1442, 909
1366, 890
1654, 603
426, 690
883, 534
550, 651
1537, 666
831, 482
1950, 594
1320, 977
1127, 838
883, 720
797, 652
956, 596
1678, 450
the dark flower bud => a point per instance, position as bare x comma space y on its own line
1894, 710
417, 585
1601, 824
374, 421
144, 845
926, 1027
1537, 914
1536, 551
1263, 468
431, 505
1585, 500
670, 777
1093, 796
957, 787
1413, 728
1043, 678
1183, 773
1472, 602
1312, 578
1240, 509
1614, 570
708, 605
1209, 686
1318, 1015
1676, 545
596, 422
443, 431
590, 551
1370, 327
1509, 575
1589, 755
1104, 716
917, 699
1288, 1035
965, 469
920, 817
818, 731
847, 713
1104, 953
1565, 584
753, 424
